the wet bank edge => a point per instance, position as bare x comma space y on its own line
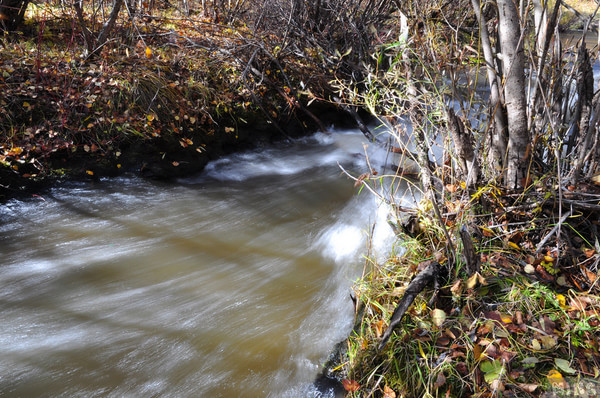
162, 158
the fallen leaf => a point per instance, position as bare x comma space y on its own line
562, 281
421, 350
491, 369
451, 188
548, 342
481, 279
529, 269
513, 245
530, 388
148, 53
591, 275
589, 252
488, 233
529, 362
388, 392
556, 379
562, 301
438, 316
378, 326
472, 281
497, 386
456, 288
564, 365
477, 350
350, 385
440, 381
578, 304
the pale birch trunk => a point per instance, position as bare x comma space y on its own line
499, 135
509, 30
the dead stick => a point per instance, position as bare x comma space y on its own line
415, 287
549, 235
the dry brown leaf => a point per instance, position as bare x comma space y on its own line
440, 381
350, 385
530, 388
388, 392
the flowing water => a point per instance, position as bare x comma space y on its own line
234, 283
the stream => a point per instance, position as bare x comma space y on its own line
232, 283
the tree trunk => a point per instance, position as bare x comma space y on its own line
581, 130
107, 27
540, 17
513, 61
463, 144
498, 141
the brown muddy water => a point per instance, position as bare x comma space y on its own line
234, 283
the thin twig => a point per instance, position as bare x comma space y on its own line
552, 232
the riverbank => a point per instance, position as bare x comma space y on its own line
161, 103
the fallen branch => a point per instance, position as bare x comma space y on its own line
416, 286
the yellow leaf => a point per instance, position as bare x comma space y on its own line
562, 301
148, 53
506, 318
556, 379
15, 151
26, 104
89, 172
118, 165
514, 245
487, 232
421, 350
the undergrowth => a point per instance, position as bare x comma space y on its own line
522, 326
